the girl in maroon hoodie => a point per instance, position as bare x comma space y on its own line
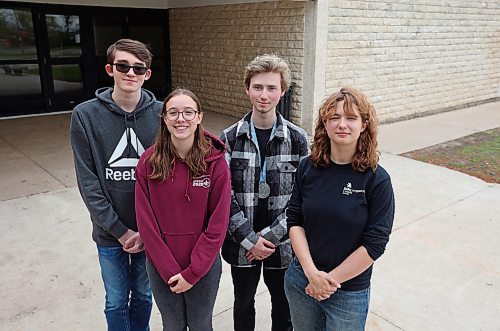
182, 203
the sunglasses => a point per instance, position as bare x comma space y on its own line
125, 68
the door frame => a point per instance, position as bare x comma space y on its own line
52, 102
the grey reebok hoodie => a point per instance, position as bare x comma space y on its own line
107, 143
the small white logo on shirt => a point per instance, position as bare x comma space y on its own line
202, 181
348, 190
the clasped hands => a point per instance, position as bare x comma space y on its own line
261, 250
178, 284
131, 242
321, 285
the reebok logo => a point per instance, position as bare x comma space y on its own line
117, 159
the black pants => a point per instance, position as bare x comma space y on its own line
245, 281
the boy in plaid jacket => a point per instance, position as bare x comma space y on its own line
263, 151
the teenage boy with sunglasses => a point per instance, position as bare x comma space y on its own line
108, 135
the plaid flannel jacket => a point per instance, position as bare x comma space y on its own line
285, 148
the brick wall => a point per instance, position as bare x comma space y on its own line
410, 57
415, 56
211, 45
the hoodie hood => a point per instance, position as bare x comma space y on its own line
146, 101
179, 171
218, 148
216, 153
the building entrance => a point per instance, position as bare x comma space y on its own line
53, 57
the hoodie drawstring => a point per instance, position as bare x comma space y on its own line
172, 171
127, 132
186, 191
186, 194
129, 135
136, 138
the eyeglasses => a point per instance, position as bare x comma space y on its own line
173, 115
125, 68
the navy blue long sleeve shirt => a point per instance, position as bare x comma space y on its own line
340, 210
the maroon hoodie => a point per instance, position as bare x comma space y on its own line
183, 221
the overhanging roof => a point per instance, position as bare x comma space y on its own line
158, 4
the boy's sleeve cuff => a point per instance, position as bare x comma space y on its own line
250, 241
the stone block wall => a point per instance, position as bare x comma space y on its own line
415, 56
211, 45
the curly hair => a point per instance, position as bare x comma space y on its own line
268, 63
366, 154
163, 156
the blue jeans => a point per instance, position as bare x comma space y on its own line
128, 294
193, 308
344, 310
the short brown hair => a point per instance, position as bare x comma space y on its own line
268, 63
134, 47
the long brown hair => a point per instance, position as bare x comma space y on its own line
163, 156
366, 155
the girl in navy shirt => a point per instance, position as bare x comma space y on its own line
339, 217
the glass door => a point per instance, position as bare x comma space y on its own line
20, 80
63, 61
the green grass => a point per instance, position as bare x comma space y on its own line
477, 155
67, 73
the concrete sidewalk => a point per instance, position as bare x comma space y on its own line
441, 270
